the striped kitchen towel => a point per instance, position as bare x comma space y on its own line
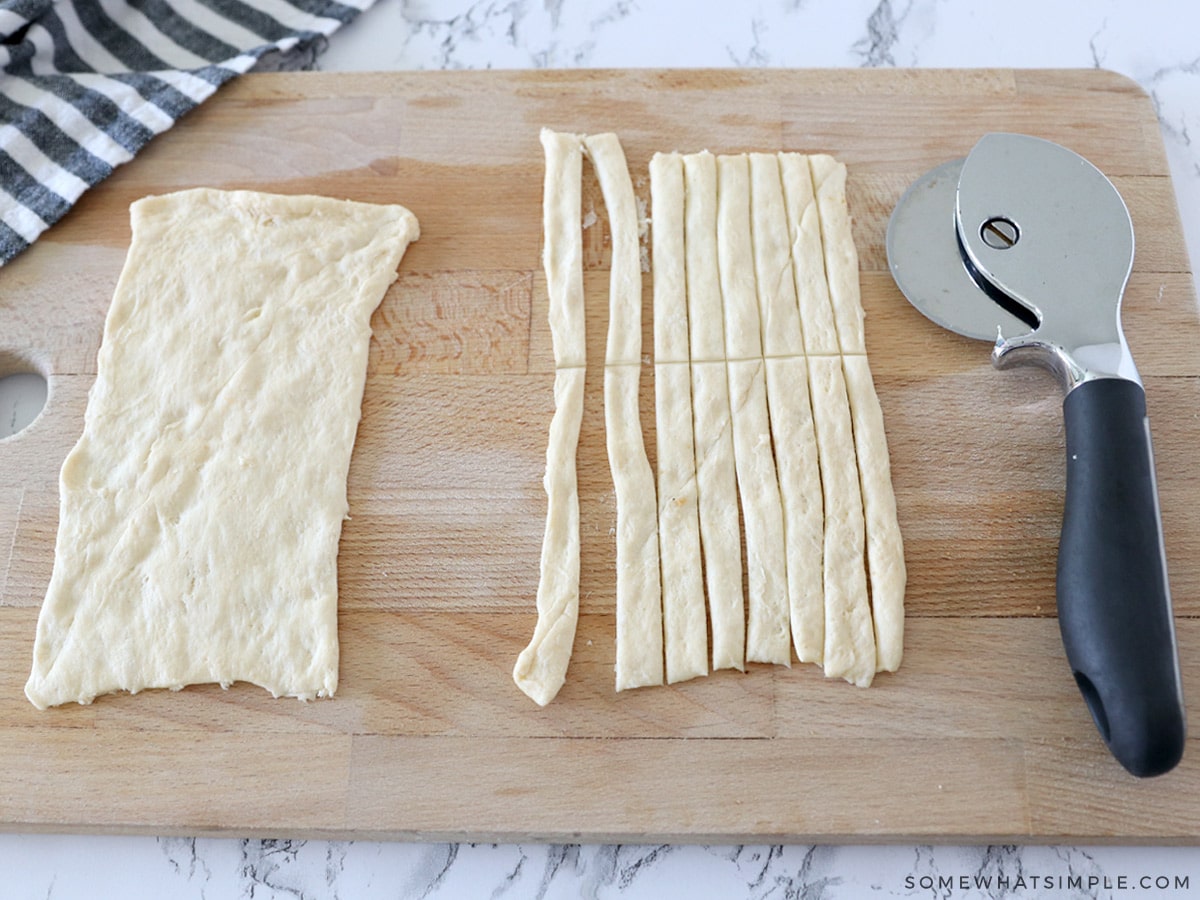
85, 84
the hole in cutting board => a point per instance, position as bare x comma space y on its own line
23, 394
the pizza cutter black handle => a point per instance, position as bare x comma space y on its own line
1114, 604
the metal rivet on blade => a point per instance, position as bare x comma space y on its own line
1000, 233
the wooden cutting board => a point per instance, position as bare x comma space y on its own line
982, 734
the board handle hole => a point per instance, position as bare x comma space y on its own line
1095, 705
23, 392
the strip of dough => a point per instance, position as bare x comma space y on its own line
808, 261
716, 481
841, 257
790, 409
720, 531
778, 306
685, 629
541, 668
202, 506
670, 278
885, 548
639, 593
768, 628
796, 462
639, 598
706, 321
562, 245
849, 636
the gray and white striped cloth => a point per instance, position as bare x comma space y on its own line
85, 84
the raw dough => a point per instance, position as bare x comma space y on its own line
849, 636
803, 510
768, 629
639, 593
808, 262
639, 597
562, 245
670, 284
685, 627
841, 257
720, 532
625, 278
706, 323
775, 281
541, 667
202, 506
790, 410
885, 548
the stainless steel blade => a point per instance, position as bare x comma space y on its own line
927, 264
1041, 226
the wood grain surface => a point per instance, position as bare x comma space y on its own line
981, 735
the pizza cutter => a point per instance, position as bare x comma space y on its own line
1026, 244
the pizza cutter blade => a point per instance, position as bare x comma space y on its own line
1026, 244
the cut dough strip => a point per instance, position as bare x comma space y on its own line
685, 629
716, 480
639, 594
796, 462
808, 261
670, 278
790, 409
849, 636
841, 258
639, 597
202, 506
885, 548
778, 306
768, 629
541, 667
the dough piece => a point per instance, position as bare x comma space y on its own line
735, 260
668, 270
841, 257
720, 531
885, 548
625, 279
800, 493
790, 410
685, 628
202, 506
768, 631
716, 481
639, 598
562, 248
778, 306
849, 636
541, 667
706, 322
639, 593
808, 261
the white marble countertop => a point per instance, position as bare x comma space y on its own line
1153, 41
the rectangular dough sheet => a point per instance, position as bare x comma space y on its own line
201, 509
